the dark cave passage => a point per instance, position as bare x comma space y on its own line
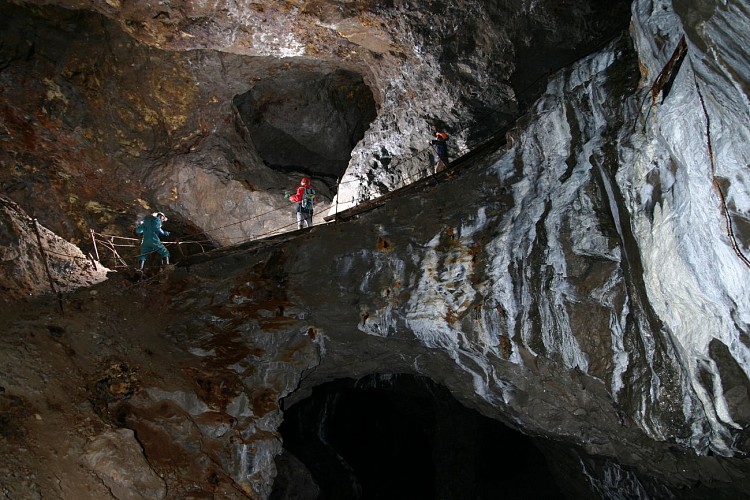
307, 121
403, 437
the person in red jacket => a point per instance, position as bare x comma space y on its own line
305, 200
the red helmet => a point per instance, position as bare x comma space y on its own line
305, 182
441, 135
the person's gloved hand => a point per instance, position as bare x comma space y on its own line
167, 233
287, 194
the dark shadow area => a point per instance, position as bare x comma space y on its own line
403, 437
306, 121
582, 28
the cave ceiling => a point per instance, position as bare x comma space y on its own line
134, 105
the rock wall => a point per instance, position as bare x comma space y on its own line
34, 261
582, 288
587, 284
131, 105
686, 193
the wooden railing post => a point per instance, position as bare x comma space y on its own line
93, 241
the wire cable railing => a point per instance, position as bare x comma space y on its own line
119, 250
409, 169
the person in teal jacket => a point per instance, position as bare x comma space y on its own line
151, 229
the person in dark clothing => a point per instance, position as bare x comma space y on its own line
440, 147
151, 229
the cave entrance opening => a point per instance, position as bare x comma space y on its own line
402, 436
307, 121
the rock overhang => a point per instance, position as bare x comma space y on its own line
217, 52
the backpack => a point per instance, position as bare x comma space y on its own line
308, 199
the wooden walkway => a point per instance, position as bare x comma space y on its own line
467, 160
494, 143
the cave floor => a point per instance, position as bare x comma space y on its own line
59, 371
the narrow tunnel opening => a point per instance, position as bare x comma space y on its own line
403, 437
307, 121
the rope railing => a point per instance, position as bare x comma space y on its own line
117, 250
410, 168
113, 245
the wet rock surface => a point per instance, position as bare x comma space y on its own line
584, 283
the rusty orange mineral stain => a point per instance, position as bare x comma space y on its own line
506, 348
265, 400
474, 250
28, 138
216, 389
451, 317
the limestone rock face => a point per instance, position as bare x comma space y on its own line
118, 460
34, 261
689, 212
557, 284
585, 284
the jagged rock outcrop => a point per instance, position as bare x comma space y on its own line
585, 284
34, 261
118, 460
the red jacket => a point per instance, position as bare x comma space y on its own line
299, 197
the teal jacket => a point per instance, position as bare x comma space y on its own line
151, 229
